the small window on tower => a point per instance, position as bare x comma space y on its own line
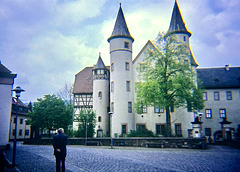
126, 44
184, 38
112, 86
112, 67
100, 95
128, 88
126, 65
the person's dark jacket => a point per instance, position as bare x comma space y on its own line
60, 142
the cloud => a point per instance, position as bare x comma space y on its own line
47, 42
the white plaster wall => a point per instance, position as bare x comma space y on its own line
180, 37
100, 105
22, 127
5, 112
119, 55
180, 115
232, 109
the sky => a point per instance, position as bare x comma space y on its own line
46, 43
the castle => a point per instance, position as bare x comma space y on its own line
112, 88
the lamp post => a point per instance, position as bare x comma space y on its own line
111, 113
17, 91
86, 131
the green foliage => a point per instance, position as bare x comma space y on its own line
141, 133
167, 78
89, 117
51, 113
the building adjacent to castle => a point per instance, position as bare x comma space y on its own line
112, 89
6, 84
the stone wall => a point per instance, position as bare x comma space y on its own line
192, 143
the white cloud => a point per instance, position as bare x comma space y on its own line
47, 42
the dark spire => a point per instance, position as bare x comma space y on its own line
177, 25
100, 64
120, 28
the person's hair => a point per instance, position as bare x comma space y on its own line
60, 130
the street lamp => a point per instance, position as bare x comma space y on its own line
111, 113
17, 91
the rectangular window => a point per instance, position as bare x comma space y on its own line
216, 96
14, 120
158, 110
160, 129
178, 130
208, 113
21, 121
205, 96
184, 38
141, 127
126, 44
128, 88
229, 95
26, 132
112, 67
129, 107
112, 106
222, 113
112, 86
124, 129
20, 132
144, 108
127, 66
208, 132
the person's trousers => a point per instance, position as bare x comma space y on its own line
60, 164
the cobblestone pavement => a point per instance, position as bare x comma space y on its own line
98, 159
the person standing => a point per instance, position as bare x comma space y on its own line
60, 150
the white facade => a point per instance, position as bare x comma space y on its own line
121, 84
23, 129
101, 101
6, 84
215, 104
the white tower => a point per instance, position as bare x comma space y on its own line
101, 98
121, 78
177, 27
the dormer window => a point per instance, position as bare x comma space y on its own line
126, 44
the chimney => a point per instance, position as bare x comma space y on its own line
227, 67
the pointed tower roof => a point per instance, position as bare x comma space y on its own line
177, 25
120, 28
100, 64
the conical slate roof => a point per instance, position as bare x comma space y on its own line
120, 28
177, 24
100, 64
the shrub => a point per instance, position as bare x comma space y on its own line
141, 133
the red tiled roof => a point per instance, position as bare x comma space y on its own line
83, 81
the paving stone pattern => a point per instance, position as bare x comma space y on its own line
128, 159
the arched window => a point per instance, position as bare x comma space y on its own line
100, 95
99, 119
